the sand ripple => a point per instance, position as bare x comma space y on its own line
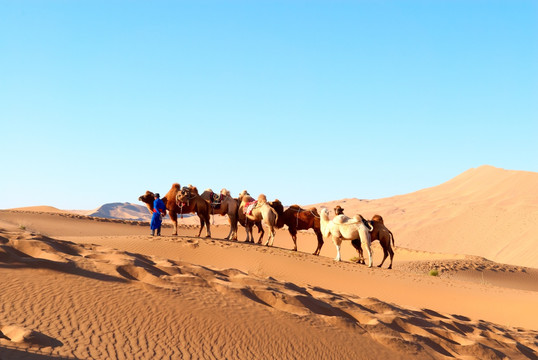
67, 300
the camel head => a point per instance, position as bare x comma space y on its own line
242, 195
324, 214
338, 210
262, 199
378, 218
148, 198
277, 205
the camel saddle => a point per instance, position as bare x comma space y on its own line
216, 200
247, 210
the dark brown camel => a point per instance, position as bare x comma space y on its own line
297, 218
189, 201
172, 206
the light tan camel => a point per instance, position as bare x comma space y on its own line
246, 222
342, 228
260, 211
223, 204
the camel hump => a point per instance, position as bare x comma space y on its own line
208, 190
176, 186
341, 219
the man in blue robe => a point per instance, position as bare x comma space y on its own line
159, 210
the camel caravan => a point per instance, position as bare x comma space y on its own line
260, 213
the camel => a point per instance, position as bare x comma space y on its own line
378, 232
172, 206
188, 200
223, 204
297, 218
260, 211
384, 236
244, 221
338, 210
341, 228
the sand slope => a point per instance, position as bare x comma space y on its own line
111, 291
485, 211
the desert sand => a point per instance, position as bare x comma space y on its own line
78, 287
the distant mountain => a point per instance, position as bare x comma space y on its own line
117, 210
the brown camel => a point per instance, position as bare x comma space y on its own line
380, 233
189, 201
172, 206
223, 204
297, 218
384, 236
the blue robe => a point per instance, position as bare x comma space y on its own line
156, 219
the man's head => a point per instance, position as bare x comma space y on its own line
157, 195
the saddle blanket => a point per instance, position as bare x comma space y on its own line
249, 207
216, 200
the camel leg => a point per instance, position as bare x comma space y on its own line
208, 230
202, 223
233, 229
248, 229
320, 241
173, 217
260, 230
366, 241
273, 233
228, 237
357, 245
391, 253
337, 242
293, 233
385, 254
268, 238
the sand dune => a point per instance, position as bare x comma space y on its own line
486, 211
78, 287
105, 289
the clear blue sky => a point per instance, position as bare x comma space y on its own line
305, 101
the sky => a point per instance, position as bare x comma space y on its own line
304, 101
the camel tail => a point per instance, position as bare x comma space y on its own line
392, 237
